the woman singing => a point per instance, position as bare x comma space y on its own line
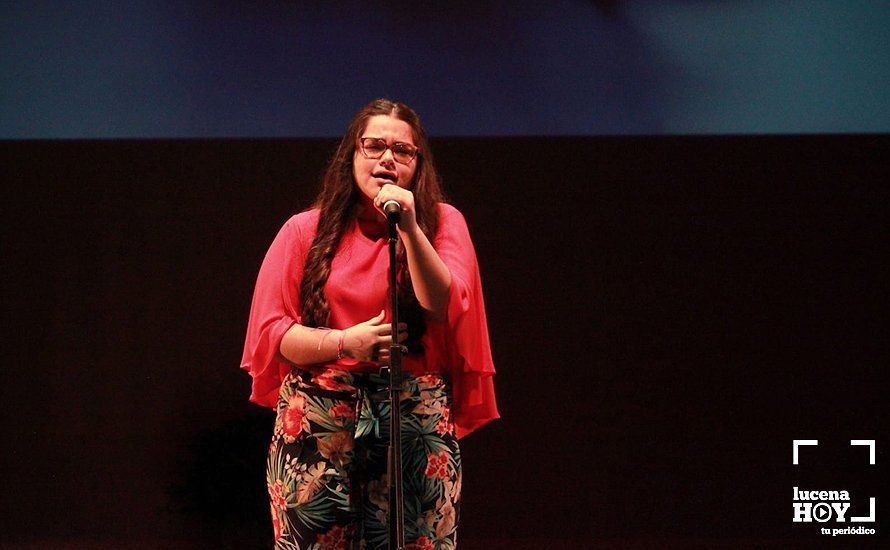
320, 331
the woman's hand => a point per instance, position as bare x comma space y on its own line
369, 341
390, 192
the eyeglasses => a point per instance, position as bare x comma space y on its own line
374, 148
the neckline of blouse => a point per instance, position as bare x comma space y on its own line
372, 232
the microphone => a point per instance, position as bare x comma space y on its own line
393, 211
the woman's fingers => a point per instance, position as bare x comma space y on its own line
387, 328
375, 320
373, 340
387, 337
384, 349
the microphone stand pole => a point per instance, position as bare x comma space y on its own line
394, 457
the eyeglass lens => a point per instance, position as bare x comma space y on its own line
375, 148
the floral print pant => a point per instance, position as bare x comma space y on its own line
326, 471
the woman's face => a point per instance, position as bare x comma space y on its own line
372, 174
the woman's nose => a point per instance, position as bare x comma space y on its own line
387, 157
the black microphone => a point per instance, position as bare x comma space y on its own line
393, 211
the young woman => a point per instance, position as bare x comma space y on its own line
319, 333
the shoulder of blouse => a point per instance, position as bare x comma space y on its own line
446, 210
304, 223
450, 217
306, 218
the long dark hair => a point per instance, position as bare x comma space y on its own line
339, 202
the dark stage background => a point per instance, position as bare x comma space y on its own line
667, 314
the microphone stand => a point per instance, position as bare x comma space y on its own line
394, 457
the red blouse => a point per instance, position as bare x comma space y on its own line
357, 290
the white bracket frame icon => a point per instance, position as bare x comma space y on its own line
871, 447
799, 442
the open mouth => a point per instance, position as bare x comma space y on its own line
385, 176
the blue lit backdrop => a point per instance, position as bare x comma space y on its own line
242, 69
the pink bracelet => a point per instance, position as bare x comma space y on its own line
340, 344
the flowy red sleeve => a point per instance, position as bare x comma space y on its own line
274, 309
469, 350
